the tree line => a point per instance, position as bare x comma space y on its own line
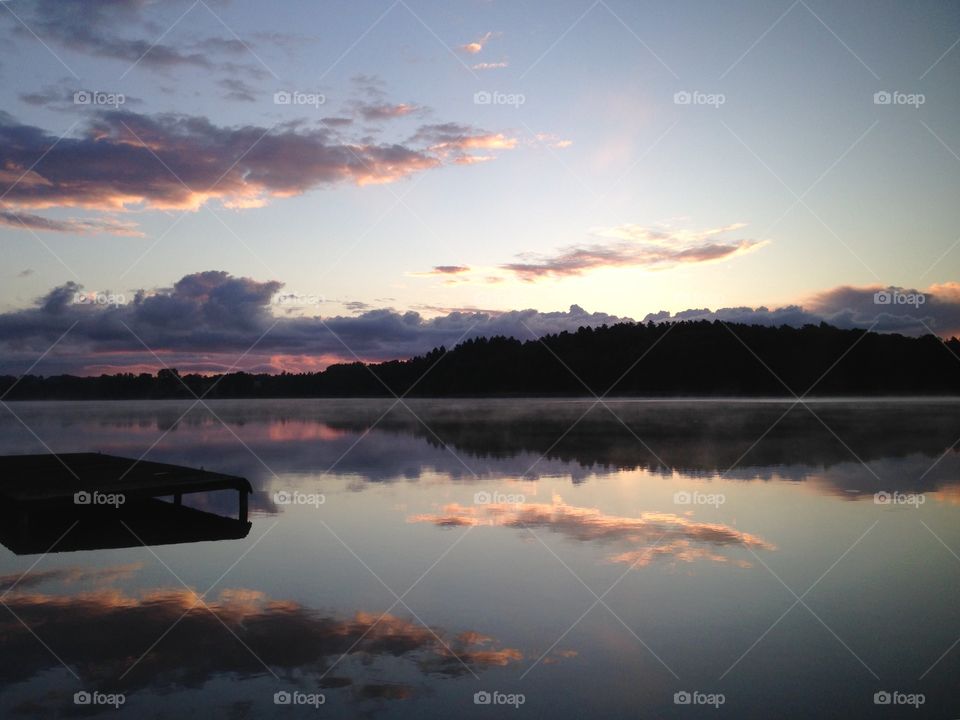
701, 358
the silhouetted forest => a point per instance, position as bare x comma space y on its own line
627, 359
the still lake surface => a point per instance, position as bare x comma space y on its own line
587, 560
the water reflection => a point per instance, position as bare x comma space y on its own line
849, 447
640, 539
502, 588
110, 637
42, 528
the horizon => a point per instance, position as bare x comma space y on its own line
464, 343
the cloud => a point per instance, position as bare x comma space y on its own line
48, 95
477, 45
337, 121
552, 141
73, 225
452, 274
638, 540
634, 246
206, 320
851, 307
451, 134
89, 26
124, 159
237, 90
462, 144
356, 306
376, 112
372, 86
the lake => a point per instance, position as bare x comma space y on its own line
517, 558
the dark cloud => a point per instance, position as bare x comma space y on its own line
120, 160
47, 95
125, 159
356, 306
450, 269
206, 320
892, 309
90, 27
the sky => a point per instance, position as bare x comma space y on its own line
232, 184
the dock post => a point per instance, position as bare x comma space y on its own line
243, 505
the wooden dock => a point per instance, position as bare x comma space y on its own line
105, 501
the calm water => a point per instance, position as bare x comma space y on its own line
461, 547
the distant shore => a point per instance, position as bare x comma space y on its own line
667, 360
